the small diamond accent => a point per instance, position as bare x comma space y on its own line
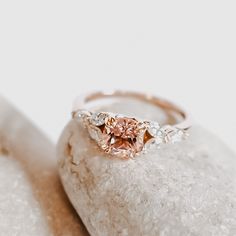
153, 128
98, 118
173, 135
177, 136
155, 142
159, 139
94, 134
81, 114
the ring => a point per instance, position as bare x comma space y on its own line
126, 137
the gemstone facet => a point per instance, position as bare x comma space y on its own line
98, 118
153, 128
125, 136
172, 134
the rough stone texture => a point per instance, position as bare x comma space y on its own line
32, 200
187, 188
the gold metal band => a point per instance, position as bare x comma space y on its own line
163, 104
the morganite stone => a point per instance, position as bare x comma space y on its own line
125, 137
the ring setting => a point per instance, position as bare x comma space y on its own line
127, 137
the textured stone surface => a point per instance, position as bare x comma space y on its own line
188, 188
32, 200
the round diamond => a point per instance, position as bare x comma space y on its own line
154, 143
159, 138
98, 118
153, 128
176, 136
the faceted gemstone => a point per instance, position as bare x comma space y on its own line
125, 136
177, 136
155, 141
94, 133
173, 134
123, 127
98, 118
153, 128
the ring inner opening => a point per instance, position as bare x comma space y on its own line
136, 105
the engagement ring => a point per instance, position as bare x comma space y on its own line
127, 137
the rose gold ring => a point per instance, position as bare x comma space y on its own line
127, 137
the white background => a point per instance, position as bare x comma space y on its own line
51, 51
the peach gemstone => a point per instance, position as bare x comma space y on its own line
125, 138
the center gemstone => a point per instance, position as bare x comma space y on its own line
124, 136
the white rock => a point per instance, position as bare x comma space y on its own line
32, 201
188, 188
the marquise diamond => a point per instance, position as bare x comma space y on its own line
81, 114
173, 134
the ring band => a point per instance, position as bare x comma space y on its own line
126, 137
